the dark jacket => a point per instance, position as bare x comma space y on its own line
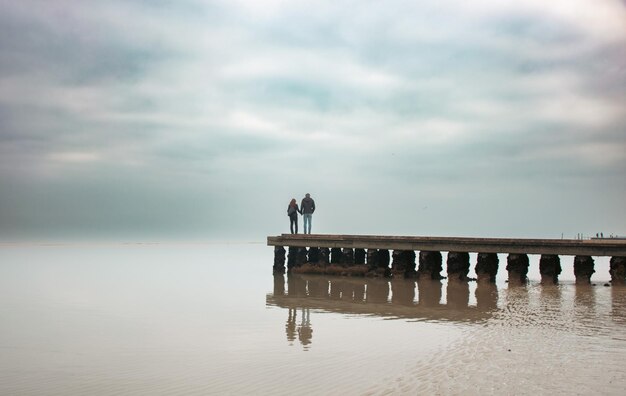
307, 205
292, 211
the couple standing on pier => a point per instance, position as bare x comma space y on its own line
306, 209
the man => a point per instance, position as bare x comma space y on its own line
307, 207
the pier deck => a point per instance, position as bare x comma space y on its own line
593, 247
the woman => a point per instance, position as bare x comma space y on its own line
292, 212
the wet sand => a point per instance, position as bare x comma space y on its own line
211, 319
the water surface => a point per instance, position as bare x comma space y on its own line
211, 319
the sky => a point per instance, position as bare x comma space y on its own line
199, 120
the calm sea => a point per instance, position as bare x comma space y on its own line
197, 319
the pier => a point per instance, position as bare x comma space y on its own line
419, 256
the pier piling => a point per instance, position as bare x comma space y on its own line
314, 253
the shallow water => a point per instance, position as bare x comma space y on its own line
211, 319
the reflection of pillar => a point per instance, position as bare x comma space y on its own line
457, 294
305, 332
359, 292
290, 327
359, 256
618, 270
517, 266
279, 260
430, 265
291, 257
583, 269
279, 284
429, 292
402, 292
335, 255
296, 286
486, 267
347, 257
550, 268
314, 255
377, 291
458, 265
318, 287
486, 296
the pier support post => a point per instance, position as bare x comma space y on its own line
458, 265
583, 269
550, 268
347, 257
324, 256
430, 265
618, 270
403, 263
335, 256
372, 258
291, 257
486, 267
383, 262
301, 256
359, 256
279, 260
517, 266
314, 255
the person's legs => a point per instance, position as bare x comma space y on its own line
305, 220
307, 223
293, 221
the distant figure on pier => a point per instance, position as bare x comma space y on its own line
292, 212
308, 207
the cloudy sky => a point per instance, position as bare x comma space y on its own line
154, 119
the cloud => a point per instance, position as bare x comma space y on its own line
238, 97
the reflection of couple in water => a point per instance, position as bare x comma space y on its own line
304, 330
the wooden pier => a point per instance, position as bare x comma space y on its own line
372, 253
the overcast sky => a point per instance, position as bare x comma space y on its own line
146, 119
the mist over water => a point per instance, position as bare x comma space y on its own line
212, 319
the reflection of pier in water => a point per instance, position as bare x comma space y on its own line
397, 298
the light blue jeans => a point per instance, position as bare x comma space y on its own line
307, 222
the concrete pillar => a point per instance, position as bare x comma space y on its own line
397, 263
335, 256
383, 258
279, 260
617, 270
486, 267
517, 266
372, 258
583, 269
359, 256
314, 255
324, 258
347, 257
291, 257
403, 263
458, 265
550, 268
301, 257
430, 265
